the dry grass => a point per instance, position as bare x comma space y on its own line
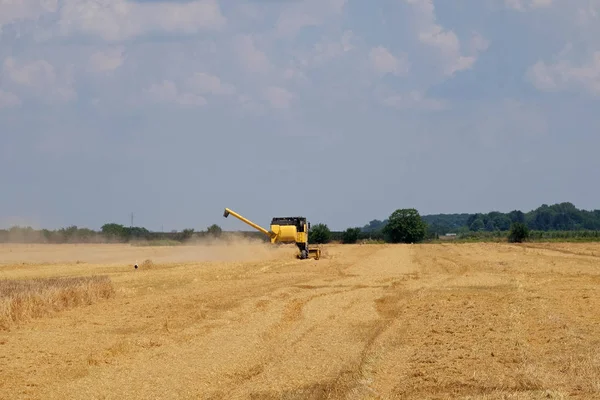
23, 300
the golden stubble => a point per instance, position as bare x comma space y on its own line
249, 320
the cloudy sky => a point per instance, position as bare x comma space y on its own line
339, 110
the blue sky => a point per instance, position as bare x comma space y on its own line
338, 110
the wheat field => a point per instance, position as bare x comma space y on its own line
249, 321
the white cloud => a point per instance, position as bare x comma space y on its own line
206, 83
106, 61
294, 72
251, 106
167, 92
478, 43
250, 56
326, 50
278, 97
347, 41
522, 5
383, 62
542, 76
267, 62
307, 13
19, 10
115, 20
42, 79
588, 15
8, 99
445, 41
414, 100
36, 73
564, 75
291, 23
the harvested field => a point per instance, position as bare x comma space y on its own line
248, 321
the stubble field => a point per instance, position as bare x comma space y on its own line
248, 321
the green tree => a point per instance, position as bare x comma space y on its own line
350, 235
516, 216
114, 231
186, 234
489, 225
477, 225
405, 226
320, 233
68, 233
518, 232
214, 230
374, 226
137, 232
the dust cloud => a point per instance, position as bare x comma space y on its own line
230, 248
227, 249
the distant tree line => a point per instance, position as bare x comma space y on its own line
403, 226
562, 221
556, 222
557, 217
108, 233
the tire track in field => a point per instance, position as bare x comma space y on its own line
331, 319
354, 379
550, 251
281, 338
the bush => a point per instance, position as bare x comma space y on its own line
319, 233
185, 235
214, 230
113, 231
350, 235
405, 226
518, 233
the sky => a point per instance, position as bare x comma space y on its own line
338, 110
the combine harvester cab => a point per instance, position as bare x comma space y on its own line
285, 230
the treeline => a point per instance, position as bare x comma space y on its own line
561, 221
533, 235
546, 236
109, 233
556, 217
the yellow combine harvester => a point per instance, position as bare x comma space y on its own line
286, 230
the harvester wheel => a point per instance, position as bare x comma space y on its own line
303, 255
